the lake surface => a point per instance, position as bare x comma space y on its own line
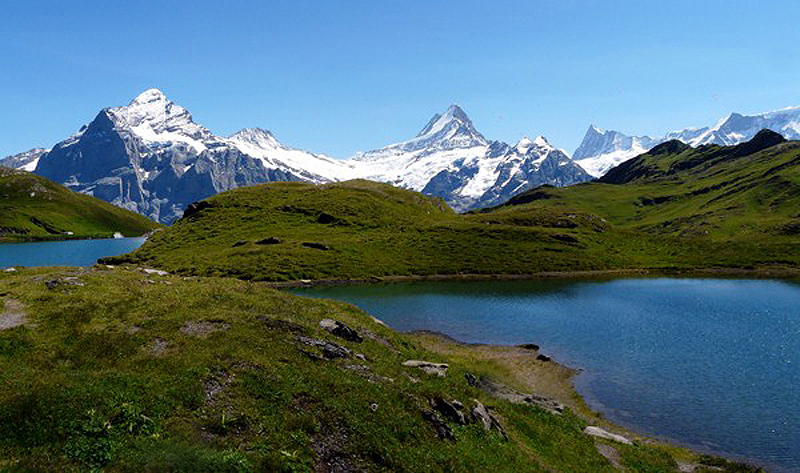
713, 364
66, 252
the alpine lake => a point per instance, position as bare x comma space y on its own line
712, 364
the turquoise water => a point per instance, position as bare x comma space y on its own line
709, 363
64, 253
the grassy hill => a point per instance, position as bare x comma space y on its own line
32, 207
128, 371
675, 208
355, 229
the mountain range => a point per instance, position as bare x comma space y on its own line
602, 150
151, 157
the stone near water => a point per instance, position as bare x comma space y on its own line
595, 431
340, 330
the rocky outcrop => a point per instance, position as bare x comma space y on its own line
341, 330
437, 369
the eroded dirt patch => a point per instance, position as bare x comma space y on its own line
12, 314
202, 328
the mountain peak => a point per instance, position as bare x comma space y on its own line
149, 96
593, 129
453, 114
259, 137
151, 113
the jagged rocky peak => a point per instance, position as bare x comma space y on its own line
452, 129
257, 137
152, 113
539, 143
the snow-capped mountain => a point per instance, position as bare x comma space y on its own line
150, 156
449, 158
600, 151
26, 161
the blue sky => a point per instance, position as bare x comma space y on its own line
342, 76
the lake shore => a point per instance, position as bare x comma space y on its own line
518, 368
752, 273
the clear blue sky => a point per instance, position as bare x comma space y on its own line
342, 76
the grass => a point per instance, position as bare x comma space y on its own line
106, 375
34, 208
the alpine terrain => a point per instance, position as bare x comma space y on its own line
151, 157
602, 150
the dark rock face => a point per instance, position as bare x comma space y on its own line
195, 207
443, 431
451, 410
341, 330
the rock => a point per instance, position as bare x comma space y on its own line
240, 243
329, 350
326, 218
361, 357
544, 402
471, 379
10, 270
450, 410
269, 241
439, 369
12, 314
373, 407
443, 431
157, 272
595, 431
316, 246
529, 346
195, 207
52, 284
501, 391
543, 358
340, 330
489, 422
378, 321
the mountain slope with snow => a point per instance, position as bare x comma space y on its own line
150, 156
601, 150
449, 158
26, 161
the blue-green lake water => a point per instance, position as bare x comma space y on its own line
64, 253
709, 363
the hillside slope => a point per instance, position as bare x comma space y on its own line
32, 207
125, 371
747, 192
673, 208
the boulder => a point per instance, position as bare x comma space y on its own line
439, 369
471, 379
489, 422
269, 241
341, 330
595, 431
543, 358
329, 350
443, 431
316, 246
451, 410
529, 346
